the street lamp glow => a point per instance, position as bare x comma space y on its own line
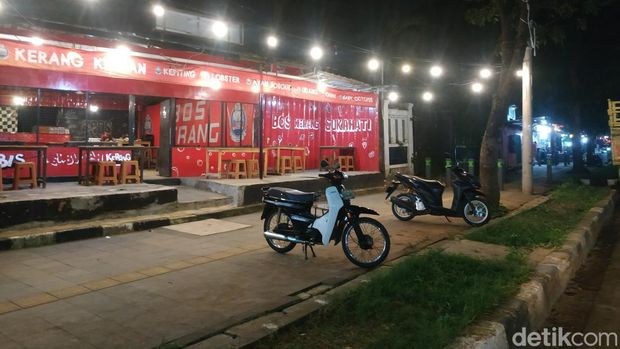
272, 41
436, 71
93, 108
427, 96
393, 96
485, 73
219, 29
406, 68
519, 73
373, 64
316, 53
36, 41
477, 87
321, 86
158, 10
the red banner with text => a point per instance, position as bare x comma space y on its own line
119, 64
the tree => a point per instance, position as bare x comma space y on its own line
559, 19
511, 16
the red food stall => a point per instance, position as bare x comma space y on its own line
70, 90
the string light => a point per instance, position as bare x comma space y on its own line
477, 87
316, 53
485, 73
373, 64
272, 41
428, 96
219, 29
393, 96
436, 71
158, 10
406, 68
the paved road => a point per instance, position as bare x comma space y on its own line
142, 289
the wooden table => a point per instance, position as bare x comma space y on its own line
41, 159
291, 149
85, 179
334, 149
219, 152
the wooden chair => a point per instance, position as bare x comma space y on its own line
298, 164
346, 163
31, 179
286, 164
130, 171
253, 168
105, 172
238, 169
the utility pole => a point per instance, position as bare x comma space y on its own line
526, 138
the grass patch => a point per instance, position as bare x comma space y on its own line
545, 225
423, 302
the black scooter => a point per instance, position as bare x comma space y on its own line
424, 197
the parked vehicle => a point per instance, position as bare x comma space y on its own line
289, 220
423, 197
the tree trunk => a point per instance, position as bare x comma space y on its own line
512, 45
578, 165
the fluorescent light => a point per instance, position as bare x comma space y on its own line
36, 41
272, 41
316, 53
158, 10
19, 100
393, 96
93, 108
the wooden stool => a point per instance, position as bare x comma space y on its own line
346, 163
238, 169
253, 168
31, 179
298, 164
130, 171
286, 164
105, 172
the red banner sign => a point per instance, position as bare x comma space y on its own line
118, 64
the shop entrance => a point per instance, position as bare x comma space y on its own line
398, 138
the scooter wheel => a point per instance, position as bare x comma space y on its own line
402, 213
270, 224
476, 212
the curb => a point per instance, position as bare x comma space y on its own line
124, 226
102, 230
531, 306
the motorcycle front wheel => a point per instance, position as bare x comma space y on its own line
373, 250
270, 225
403, 214
476, 212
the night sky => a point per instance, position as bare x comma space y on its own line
421, 32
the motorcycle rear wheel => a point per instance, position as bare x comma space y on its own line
400, 213
270, 225
370, 257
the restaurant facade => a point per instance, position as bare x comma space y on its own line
196, 110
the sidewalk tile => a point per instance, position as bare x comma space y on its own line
70, 291
154, 271
6, 307
99, 284
34, 300
227, 253
129, 277
177, 265
198, 260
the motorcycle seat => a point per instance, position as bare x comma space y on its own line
292, 195
431, 182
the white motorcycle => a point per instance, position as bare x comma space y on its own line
289, 221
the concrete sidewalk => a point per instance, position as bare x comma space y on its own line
142, 289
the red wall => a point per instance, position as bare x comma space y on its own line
309, 124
